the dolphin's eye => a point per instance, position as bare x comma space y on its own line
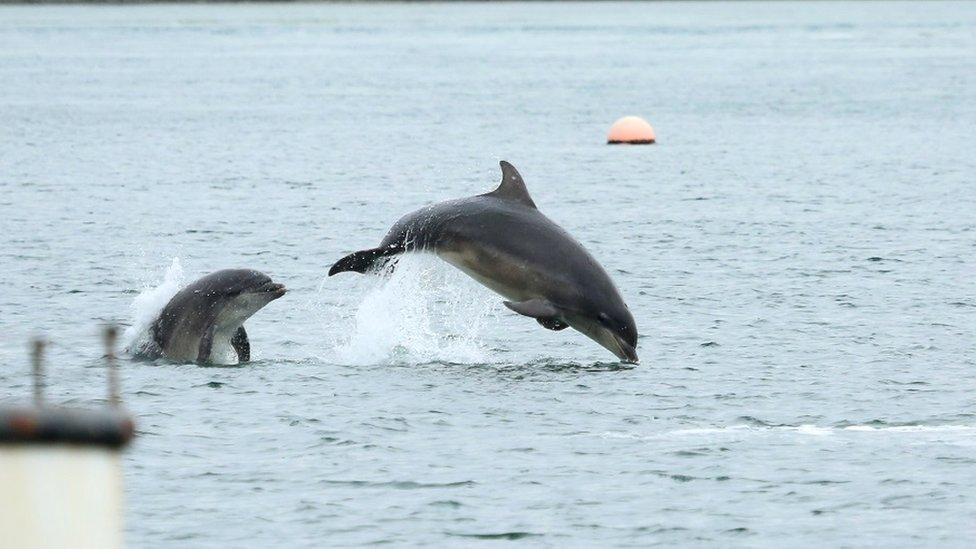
604, 319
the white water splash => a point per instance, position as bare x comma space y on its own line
149, 303
424, 311
805, 429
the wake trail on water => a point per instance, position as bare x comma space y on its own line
421, 311
147, 305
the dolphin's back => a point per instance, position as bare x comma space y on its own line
510, 247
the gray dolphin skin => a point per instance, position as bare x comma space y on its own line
504, 242
204, 318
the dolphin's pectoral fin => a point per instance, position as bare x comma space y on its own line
242, 345
552, 323
206, 345
542, 311
535, 308
362, 261
512, 187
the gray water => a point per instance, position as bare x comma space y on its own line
798, 251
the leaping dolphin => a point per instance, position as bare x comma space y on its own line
504, 242
204, 318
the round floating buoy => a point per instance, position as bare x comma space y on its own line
632, 130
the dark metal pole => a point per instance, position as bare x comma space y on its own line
111, 334
37, 369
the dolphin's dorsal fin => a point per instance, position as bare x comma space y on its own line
512, 187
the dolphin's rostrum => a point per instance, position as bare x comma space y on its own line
207, 317
504, 242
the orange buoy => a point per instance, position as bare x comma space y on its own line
632, 130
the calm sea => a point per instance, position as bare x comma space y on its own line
799, 251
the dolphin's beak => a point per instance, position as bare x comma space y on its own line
609, 340
625, 351
274, 289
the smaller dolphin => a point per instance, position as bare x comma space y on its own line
504, 242
205, 319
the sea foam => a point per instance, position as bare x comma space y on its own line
146, 306
421, 311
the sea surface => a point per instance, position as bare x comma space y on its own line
799, 251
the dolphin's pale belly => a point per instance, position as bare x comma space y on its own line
508, 276
186, 348
222, 351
